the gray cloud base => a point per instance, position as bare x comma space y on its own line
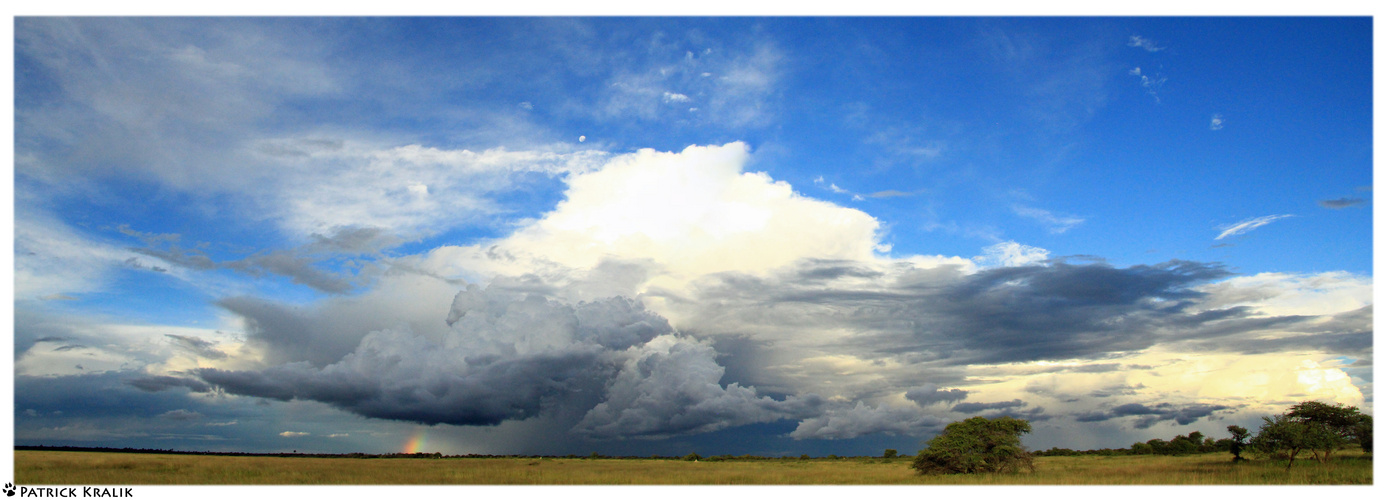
511, 356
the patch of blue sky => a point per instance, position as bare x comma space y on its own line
145, 296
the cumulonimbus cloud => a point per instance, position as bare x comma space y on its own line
510, 356
606, 313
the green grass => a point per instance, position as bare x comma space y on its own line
63, 467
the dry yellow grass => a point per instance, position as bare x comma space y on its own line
59, 467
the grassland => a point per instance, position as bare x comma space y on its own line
65, 467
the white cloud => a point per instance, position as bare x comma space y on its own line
151, 97
100, 345
1152, 85
1011, 254
1247, 225
690, 213
1284, 294
293, 434
52, 259
1217, 122
672, 97
408, 189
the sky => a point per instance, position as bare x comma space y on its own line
658, 236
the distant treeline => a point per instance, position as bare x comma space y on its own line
1179, 445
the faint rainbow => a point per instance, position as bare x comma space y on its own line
416, 442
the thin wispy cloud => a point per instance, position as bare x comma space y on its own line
889, 193
820, 181
1150, 84
1247, 225
1340, 203
1056, 223
1217, 122
1144, 43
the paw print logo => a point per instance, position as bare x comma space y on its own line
9, 489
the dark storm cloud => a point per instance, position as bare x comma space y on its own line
197, 346
99, 395
373, 384
672, 387
134, 263
353, 240
156, 383
818, 269
930, 394
179, 257
1340, 343
510, 356
148, 238
1347, 333
297, 268
181, 415
1000, 315
1150, 415
291, 334
1340, 203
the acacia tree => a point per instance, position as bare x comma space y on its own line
977, 445
1284, 437
1338, 422
1364, 433
1239, 437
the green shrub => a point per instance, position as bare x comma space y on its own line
977, 445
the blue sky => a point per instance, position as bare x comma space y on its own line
662, 235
